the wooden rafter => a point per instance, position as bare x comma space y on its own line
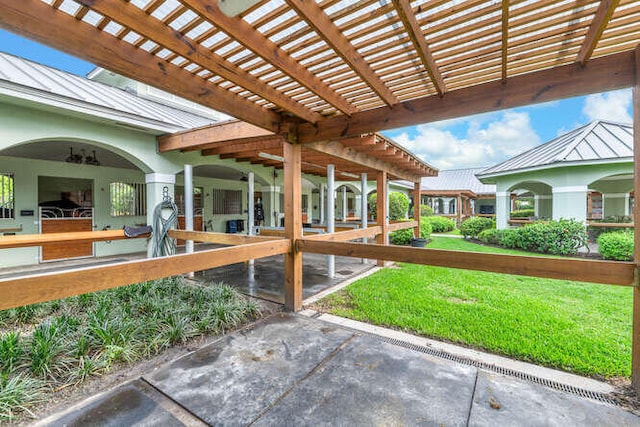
597, 27
505, 39
251, 39
64, 32
324, 26
403, 7
602, 74
250, 144
131, 16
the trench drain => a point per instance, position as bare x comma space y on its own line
577, 391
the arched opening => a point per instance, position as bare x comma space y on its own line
610, 198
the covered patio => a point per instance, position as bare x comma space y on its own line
316, 75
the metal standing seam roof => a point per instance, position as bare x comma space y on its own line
28, 74
457, 180
597, 141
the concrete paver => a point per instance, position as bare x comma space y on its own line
372, 383
293, 370
503, 400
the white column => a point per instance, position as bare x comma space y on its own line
331, 222
322, 203
570, 202
344, 203
363, 207
159, 186
188, 208
536, 206
503, 208
251, 205
627, 198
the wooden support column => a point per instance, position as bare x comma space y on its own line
635, 352
382, 200
416, 208
292, 225
459, 209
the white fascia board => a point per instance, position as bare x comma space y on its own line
96, 111
614, 160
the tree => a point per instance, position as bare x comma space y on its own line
398, 206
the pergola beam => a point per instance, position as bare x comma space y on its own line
232, 147
336, 149
597, 27
253, 40
196, 139
133, 17
505, 39
331, 34
38, 21
408, 18
601, 74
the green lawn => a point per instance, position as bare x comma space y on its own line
579, 327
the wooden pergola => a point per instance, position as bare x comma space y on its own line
319, 73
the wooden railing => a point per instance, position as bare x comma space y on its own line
47, 286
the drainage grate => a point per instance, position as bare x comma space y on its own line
588, 394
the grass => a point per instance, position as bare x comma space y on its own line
465, 245
454, 232
53, 345
578, 327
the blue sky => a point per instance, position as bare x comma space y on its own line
476, 141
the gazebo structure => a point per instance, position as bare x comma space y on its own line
458, 194
315, 73
584, 174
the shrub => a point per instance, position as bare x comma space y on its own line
439, 224
616, 245
510, 238
473, 226
425, 228
403, 237
562, 237
372, 205
523, 213
425, 210
491, 236
398, 206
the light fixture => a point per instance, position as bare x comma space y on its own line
82, 158
271, 157
233, 8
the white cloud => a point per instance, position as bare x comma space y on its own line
614, 106
485, 143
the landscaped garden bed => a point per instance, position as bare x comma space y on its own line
49, 349
579, 327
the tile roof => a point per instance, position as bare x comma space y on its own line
597, 141
457, 179
18, 76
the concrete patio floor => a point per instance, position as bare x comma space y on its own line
293, 370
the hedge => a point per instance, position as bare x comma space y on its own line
439, 224
561, 237
616, 245
473, 226
403, 237
523, 213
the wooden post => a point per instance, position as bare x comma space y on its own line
416, 208
459, 209
381, 210
292, 225
635, 340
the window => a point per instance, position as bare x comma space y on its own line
227, 202
7, 193
198, 201
128, 199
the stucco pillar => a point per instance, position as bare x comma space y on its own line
331, 222
543, 206
503, 205
159, 186
570, 202
322, 204
344, 203
614, 204
271, 204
